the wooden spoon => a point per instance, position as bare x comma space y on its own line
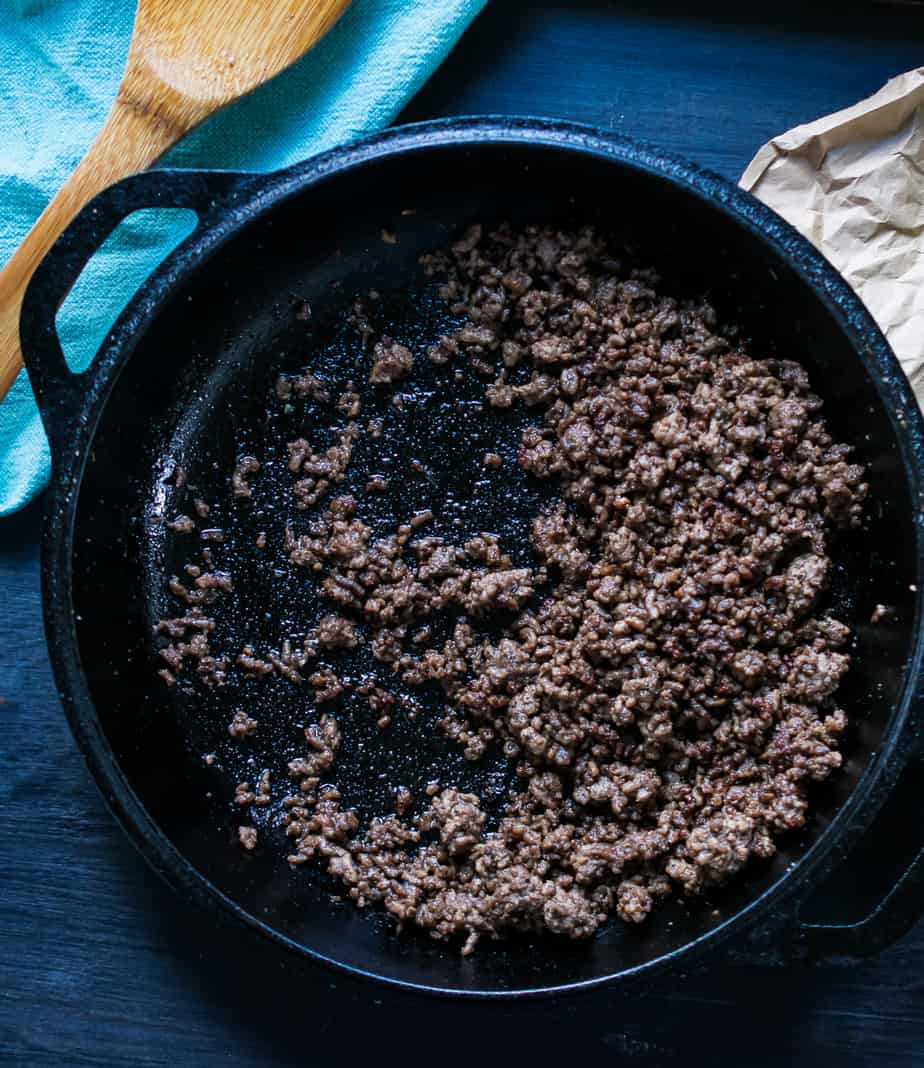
187, 59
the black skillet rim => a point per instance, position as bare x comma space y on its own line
257, 194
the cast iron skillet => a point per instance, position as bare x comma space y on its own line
183, 378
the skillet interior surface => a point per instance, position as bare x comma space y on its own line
197, 392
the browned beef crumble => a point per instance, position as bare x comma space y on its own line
246, 466
242, 725
247, 836
320, 470
349, 402
663, 681
336, 632
304, 385
390, 361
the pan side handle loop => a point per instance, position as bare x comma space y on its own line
889, 921
60, 392
890, 913
873, 893
898, 825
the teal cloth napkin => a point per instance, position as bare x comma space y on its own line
60, 65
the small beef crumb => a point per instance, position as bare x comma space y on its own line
458, 818
247, 465
247, 836
242, 726
320, 470
304, 385
264, 790
349, 403
883, 613
336, 632
327, 687
202, 509
390, 362
323, 740
381, 702
183, 524
492, 459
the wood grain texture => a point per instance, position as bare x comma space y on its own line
186, 59
711, 81
101, 965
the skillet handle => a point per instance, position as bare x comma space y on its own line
898, 909
903, 904
889, 921
59, 391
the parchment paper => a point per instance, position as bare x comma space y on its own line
853, 183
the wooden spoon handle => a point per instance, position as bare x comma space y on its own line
131, 139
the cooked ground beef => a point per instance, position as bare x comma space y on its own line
349, 402
242, 726
304, 385
390, 361
323, 741
320, 470
327, 687
240, 487
336, 632
659, 675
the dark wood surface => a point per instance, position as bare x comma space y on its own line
100, 964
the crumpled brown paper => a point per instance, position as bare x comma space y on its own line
853, 183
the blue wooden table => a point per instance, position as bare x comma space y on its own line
99, 964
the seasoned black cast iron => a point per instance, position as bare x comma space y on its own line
183, 376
